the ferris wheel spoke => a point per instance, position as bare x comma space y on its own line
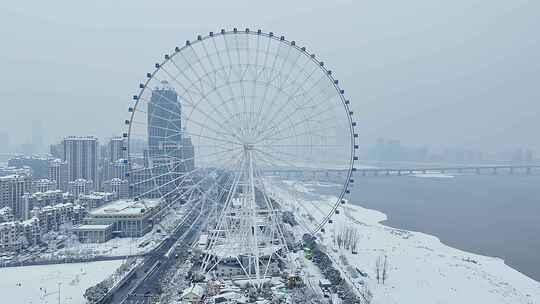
216, 132
204, 113
215, 71
226, 79
272, 132
197, 185
200, 93
305, 105
287, 101
282, 81
194, 135
311, 133
183, 176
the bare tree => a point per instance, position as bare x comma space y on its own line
385, 269
354, 241
378, 269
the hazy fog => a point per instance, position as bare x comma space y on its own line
445, 73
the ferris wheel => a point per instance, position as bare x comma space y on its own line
226, 117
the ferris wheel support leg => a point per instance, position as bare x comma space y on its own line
254, 250
222, 225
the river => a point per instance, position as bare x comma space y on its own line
485, 214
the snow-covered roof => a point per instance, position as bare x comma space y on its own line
125, 207
11, 177
197, 290
92, 227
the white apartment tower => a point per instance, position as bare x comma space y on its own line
81, 156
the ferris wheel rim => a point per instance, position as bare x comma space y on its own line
345, 189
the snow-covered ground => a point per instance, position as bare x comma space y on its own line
422, 269
39, 284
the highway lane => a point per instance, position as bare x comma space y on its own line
145, 283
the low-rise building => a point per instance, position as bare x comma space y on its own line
120, 187
12, 188
50, 198
80, 186
6, 215
42, 185
52, 217
16, 235
130, 218
95, 199
94, 233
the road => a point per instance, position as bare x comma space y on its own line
144, 284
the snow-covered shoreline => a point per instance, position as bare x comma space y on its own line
422, 268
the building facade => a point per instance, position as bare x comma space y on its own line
17, 235
129, 218
80, 187
58, 173
12, 189
81, 156
94, 233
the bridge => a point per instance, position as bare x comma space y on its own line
470, 170
328, 174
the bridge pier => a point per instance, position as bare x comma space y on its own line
494, 171
528, 172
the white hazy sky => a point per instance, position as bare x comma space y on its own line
445, 73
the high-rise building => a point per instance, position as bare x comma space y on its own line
188, 154
164, 126
42, 185
58, 173
12, 189
117, 186
37, 163
164, 153
80, 186
57, 150
81, 155
116, 149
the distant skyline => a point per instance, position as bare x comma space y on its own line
447, 74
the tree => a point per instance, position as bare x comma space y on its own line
378, 269
385, 269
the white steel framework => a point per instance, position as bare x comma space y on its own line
219, 118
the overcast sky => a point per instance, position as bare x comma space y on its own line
444, 73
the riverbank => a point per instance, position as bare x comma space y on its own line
422, 269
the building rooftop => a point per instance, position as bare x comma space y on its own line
125, 207
96, 195
92, 227
197, 290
